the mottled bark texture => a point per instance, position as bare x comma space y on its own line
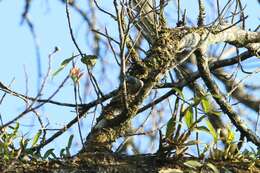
171, 43
113, 163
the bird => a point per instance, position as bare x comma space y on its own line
134, 85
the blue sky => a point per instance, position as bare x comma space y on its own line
18, 54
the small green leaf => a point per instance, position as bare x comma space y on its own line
57, 71
212, 131
6, 156
62, 153
213, 167
179, 92
36, 138
17, 125
24, 143
231, 136
15, 130
170, 128
29, 151
66, 61
89, 60
206, 105
172, 170
67, 152
48, 153
217, 96
70, 141
188, 116
193, 164
64, 64
202, 128
197, 101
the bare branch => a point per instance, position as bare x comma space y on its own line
220, 99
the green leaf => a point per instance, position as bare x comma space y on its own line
70, 141
170, 128
62, 153
48, 153
36, 138
172, 170
6, 156
179, 92
24, 143
57, 71
197, 101
89, 60
15, 130
66, 61
212, 131
64, 64
193, 164
216, 96
231, 136
188, 116
202, 128
67, 152
206, 105
213, 167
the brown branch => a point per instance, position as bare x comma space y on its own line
113, 121
221, 100
30, 108
140, 163
213, 66
82, 112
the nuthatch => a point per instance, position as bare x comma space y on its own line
134, 85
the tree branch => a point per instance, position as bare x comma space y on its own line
220, 99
